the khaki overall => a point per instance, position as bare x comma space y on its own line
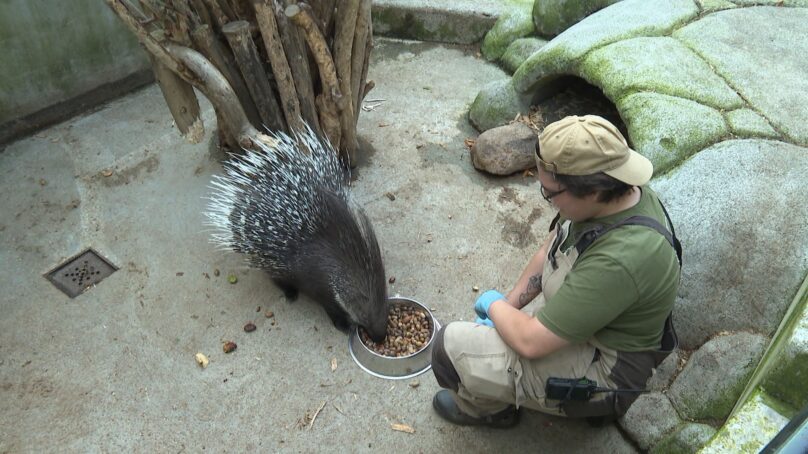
492, 376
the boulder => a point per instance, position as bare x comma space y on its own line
519, 51
687, 439
552, 17
497, 104
714, 377
649, 419
506, 149
512, 25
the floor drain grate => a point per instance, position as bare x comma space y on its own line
81, 272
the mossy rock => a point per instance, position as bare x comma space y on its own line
519, 51
748, 123
667, 130
687, 439
512, 25
496, 105
552, 17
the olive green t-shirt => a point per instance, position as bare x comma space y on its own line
623, 286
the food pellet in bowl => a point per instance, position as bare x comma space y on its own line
408, 331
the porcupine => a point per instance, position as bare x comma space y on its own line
288, 208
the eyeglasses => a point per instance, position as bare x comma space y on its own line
548, 194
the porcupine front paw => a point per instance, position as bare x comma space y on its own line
289, 290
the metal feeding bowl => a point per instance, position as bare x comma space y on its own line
389, 367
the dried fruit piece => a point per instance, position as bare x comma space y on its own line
333, 364
229, 346
269, 314
249, 327
232, 278
402, 428
216, 272
392, 280
409, 330
202, 360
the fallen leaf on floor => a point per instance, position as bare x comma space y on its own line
106, 172
415, 384
469, 143
333, 364
402, 428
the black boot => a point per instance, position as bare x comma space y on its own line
445, 406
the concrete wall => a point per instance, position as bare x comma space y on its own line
53, 51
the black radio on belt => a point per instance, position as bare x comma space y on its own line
578, 389
570, 388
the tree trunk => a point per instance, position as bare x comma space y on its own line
251, 59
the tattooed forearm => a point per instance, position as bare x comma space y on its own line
533, 289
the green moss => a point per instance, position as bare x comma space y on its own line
512, 25
425, 27
668, 130
496, 105
747, 123
519, 51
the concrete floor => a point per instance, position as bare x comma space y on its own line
113, 369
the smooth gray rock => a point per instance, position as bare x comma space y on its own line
714, 377
660, 65
664, 373
519, 51
625, 19
766, 63
687, 439
649, 419
554, 16
739, 209
506, 149
497, 104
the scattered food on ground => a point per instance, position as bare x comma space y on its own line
249, 327
333, 364
475, 289
414, 384
216, 272
390, 196
402, 428
392, 280
232, 278
202, 360
106, 172
229, 346
269, 314
469, 143
180, 273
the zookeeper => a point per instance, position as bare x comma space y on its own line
606, 279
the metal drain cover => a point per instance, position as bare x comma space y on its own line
81, 272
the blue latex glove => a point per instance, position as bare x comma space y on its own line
484, 321
484, 302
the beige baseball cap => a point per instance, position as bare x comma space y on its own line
590, 144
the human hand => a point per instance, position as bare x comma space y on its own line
484, 321
484, 302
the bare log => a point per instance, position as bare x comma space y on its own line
216, 87
324, 12
238, 36
295, 49
181, 101
347, 11
280, 66
328, 105
216, 52
203, 13
329, 120
360, 54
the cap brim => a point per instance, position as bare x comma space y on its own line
636, 171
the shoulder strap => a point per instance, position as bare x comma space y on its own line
589, 236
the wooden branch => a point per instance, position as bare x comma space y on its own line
359, 57
347, 11
301, 16
329, 120
223, 60
296, 55
181, 100
280, 66
323, 10
219, 17
202, 11
238, 35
